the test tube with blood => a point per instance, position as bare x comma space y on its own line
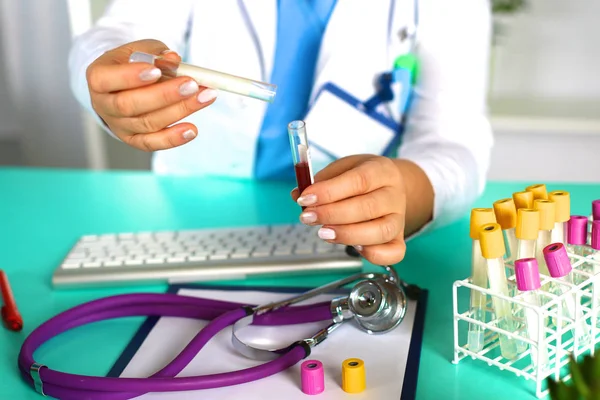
300, 154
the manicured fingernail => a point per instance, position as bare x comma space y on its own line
358, 247
326, 233
207, 95
189, 134
150, 74
307, 200
308, 217
188, 88
164, 52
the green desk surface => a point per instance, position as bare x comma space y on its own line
43, 212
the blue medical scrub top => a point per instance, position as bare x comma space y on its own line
300, 28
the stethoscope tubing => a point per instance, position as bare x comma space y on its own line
221, 315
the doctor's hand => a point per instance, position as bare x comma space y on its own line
140, 107
360, 201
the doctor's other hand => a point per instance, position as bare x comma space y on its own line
139, 106
360, 201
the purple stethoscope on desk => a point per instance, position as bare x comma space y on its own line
377, 303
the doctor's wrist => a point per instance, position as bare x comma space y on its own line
419, 195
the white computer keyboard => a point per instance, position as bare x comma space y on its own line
200, 255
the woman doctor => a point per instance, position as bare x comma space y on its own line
360, 197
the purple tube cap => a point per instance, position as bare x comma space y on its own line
557, 260
527, 273
596, 235
596, 210
578, 226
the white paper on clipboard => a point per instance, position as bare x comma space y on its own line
385, 356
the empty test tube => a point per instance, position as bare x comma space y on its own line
595, 253
479, 217
528, 281
539, 191
209, 78
560, 268
492, 249
562, 202
547, 211
577, 235
528, 226
596, 210
523, 199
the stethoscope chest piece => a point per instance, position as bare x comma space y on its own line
378, 305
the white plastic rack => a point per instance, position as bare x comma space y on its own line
556, 333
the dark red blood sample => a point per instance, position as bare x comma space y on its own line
302, 176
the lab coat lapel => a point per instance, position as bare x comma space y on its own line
263, 18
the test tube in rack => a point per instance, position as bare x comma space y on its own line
528, 226
523, 199
492, 249
539, 191
479, 217
562, 203
547, 212
506, 215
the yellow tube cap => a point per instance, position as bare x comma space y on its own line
528, 224
492, 241
539, 191
547, 211
506, 213
353, 375
480, 216
523, 199
562, 202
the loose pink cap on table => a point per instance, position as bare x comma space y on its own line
596, 210
313, 377
527, 273
596, 235
578, 226
557, 260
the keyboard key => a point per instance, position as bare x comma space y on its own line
114, 263
132, 262
92, 264
154, 260
70, 265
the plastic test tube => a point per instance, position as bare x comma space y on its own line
528, 281
492, 249
209, 78
560, 268
595, 252
506, 215
479, 217
547, 211
577, 235
539, 191
562, 202
528, 226
300, 154
596, 210
523, 199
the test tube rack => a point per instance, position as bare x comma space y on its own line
556, 334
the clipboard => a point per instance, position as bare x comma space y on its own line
409, 382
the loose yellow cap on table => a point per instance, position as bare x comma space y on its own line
480, 216
523, 199
492, 241
528, 224
539, 191
506, 213
547, 211
354, 378
562, 202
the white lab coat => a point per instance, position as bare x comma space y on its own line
448, 134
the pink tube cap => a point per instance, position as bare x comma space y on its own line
557, 260
313, 377
527, 273
596, 210
596, 235
578, 227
